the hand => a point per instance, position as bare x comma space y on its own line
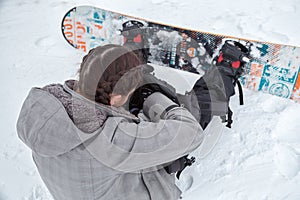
142, 93
149, 86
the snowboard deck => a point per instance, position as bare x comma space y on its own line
274, 68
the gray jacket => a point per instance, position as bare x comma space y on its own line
85, 150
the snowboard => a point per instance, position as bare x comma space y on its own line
273, 68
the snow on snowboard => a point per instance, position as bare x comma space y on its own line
274, 68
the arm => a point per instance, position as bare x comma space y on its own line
129, 147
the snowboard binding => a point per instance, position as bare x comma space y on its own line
135, 38
233, 56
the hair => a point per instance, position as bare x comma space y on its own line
108, 69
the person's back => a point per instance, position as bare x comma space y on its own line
86, 146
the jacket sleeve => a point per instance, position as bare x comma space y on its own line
127, 146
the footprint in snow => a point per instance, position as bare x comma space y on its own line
186, 182
45, 42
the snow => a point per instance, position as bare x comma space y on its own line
187, 80
258, 159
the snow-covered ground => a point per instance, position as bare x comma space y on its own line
258, 159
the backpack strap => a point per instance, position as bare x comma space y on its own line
241, 95
230, 112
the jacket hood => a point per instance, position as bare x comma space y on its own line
50, 129
45, 127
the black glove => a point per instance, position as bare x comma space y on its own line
149, 86
142, 93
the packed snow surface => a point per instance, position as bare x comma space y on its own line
258, 159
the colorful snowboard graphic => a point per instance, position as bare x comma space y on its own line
274, 68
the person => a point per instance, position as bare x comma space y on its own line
209, 97
85, 143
